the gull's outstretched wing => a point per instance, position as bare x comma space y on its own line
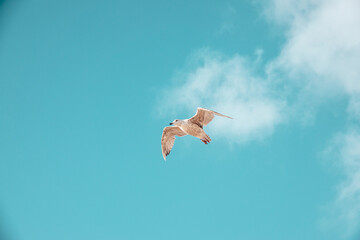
168, 139
204, 116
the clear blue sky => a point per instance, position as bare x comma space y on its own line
81, 85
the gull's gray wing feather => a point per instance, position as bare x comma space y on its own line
168, 139
204, 116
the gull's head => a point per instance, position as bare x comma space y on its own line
176, 122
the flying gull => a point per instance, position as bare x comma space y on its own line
192, 126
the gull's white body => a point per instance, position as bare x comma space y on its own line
192, 126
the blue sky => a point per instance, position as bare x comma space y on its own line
86, 88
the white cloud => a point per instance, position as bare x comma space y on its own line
229, 86
288, 12
323, 47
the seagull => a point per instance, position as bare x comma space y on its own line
192, 126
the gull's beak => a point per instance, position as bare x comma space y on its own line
171, 123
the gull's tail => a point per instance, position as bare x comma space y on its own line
221, 115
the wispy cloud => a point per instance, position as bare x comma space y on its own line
228, 85
349, 192
344, 212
